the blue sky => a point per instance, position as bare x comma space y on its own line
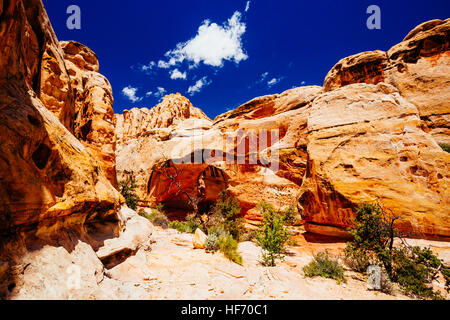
221, 54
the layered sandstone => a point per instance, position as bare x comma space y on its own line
371, 134
418, 67
372, 149
93, 106
236, 153
46, 172
57, 204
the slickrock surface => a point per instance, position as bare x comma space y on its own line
175, 270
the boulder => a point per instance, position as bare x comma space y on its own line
199, 240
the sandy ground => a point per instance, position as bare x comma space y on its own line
174, 270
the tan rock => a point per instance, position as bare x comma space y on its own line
418, 67
94, 116
29, 51
199, 240
130, 240
192, 147
373, 148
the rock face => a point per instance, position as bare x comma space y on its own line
94, 114
234, 153
418, 67
373, 148
57, 203
371, 134
46, 172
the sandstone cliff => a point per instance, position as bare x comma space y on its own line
371, 134
57, 203
93, 105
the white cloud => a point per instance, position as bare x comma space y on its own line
212, 45
303, 83
247, 7
163, 64
160, 92
177, 74
130, 93
149, 66
274, 81
197, 87
264, 76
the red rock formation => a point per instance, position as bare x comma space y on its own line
56, 203
46, 172
418, 67
371, 134
199, 148
94, 114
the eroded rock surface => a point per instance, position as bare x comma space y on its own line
93, 107
418, 67
371, 134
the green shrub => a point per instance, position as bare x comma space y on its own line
191, 224
228, 246
226, 216
272, 235
445, 147
128, 190
325, 266
413, 268
290, 216
156, 216
212, 242
358, 260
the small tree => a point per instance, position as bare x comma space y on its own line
413, 268
273, 234
226, 215
127, 189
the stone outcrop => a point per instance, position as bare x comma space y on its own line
418, 67
371, 134
372, 149
93, 106
56, 202
233, 153
46, 172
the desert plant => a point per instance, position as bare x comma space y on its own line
272, 235
325, 266
128, 191
156, 216
445, 147
228, 246
289, 216
191, 224
413, 268
212, 242
226, 216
